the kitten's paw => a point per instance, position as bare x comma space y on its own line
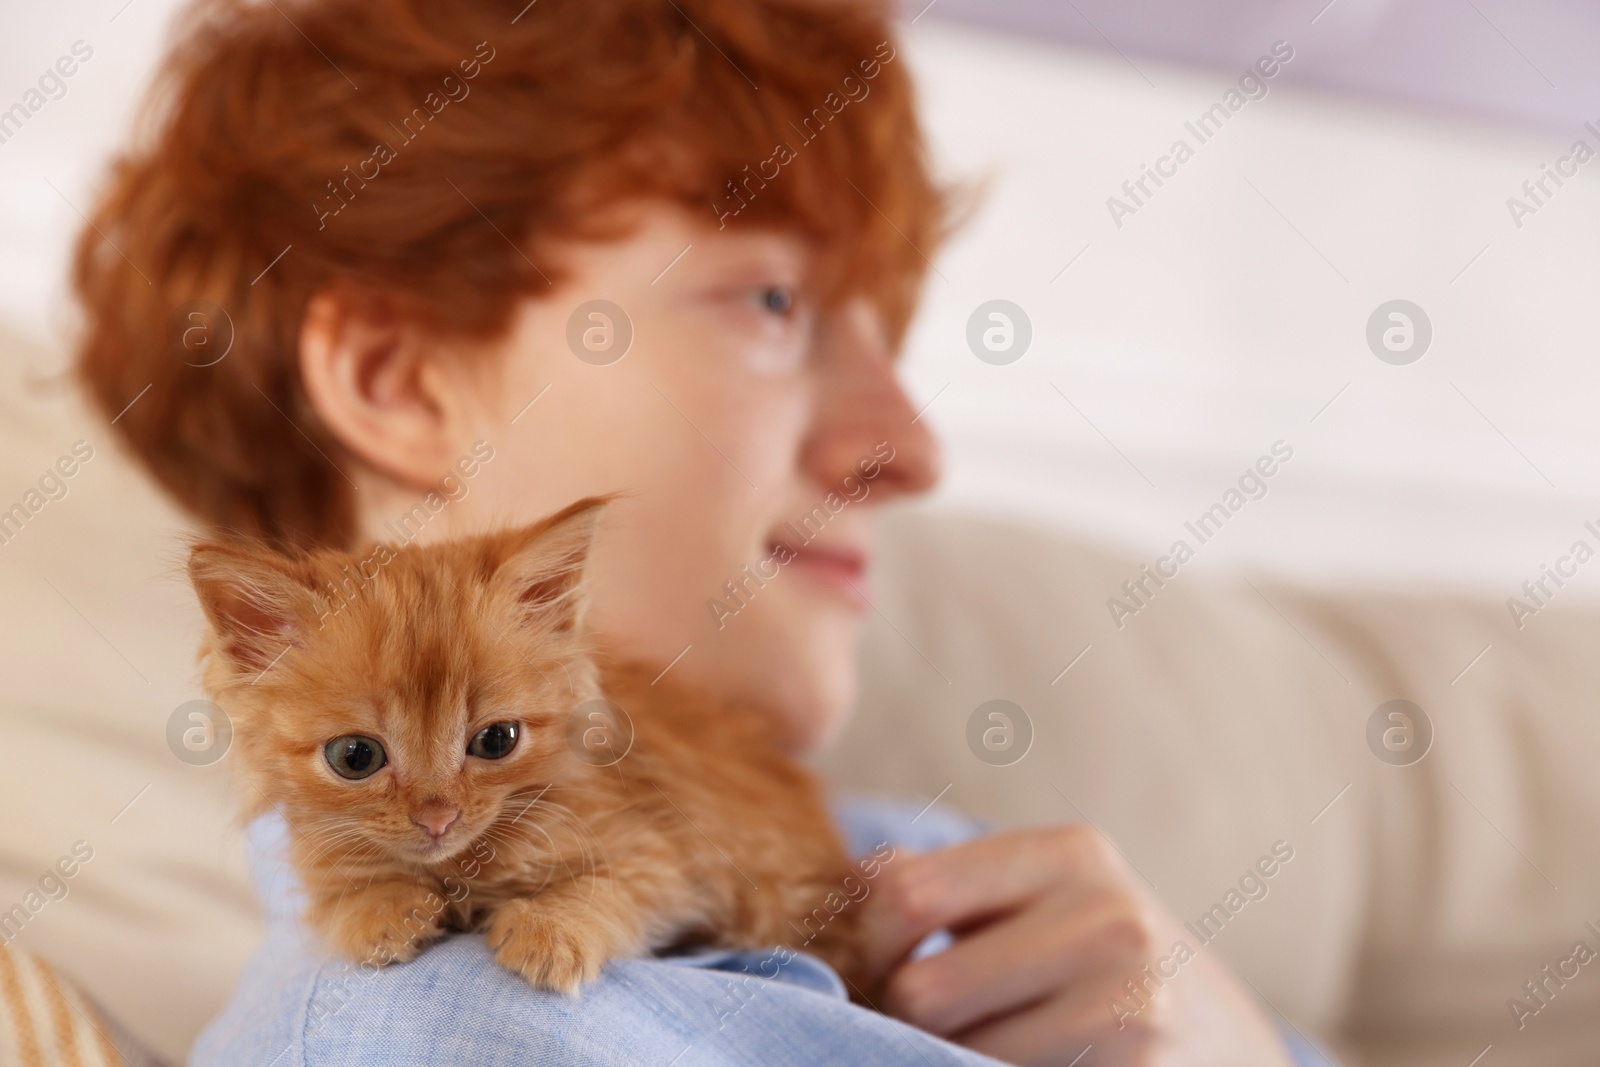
379, 927
547, 947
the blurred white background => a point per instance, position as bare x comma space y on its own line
1224, 315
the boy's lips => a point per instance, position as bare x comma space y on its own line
839, 567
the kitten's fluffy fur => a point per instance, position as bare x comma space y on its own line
705, 831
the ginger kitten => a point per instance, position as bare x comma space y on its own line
420, 718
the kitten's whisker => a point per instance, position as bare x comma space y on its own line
332, 833
363, 855
536, 798
325, 836
560, 852
581, 836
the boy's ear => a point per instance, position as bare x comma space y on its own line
256, 608
542, 570
388, 391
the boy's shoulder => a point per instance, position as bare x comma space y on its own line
454, 1004
295, 1007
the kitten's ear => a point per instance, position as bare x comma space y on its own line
255, 606
543, 567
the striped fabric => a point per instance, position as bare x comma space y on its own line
46, 1022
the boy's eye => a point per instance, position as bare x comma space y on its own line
493, 741
354, 757
776, 299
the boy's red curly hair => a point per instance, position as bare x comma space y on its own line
425, 153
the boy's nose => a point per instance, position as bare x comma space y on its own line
864, 412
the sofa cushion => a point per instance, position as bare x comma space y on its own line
46, 1021
98, 641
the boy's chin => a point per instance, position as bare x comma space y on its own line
824, 730
821, 695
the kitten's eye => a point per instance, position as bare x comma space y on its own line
494, 741
354, 757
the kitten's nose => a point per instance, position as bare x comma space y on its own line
437, 820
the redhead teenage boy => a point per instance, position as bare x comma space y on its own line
667, 248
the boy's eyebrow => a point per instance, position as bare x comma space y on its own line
723, 257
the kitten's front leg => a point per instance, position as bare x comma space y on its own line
559, 939
385, 921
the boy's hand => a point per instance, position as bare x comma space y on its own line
1050, 925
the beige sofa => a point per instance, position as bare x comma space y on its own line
1219, 721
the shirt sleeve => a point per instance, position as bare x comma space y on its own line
296, 1007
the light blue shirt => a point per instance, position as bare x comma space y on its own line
297, 1007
